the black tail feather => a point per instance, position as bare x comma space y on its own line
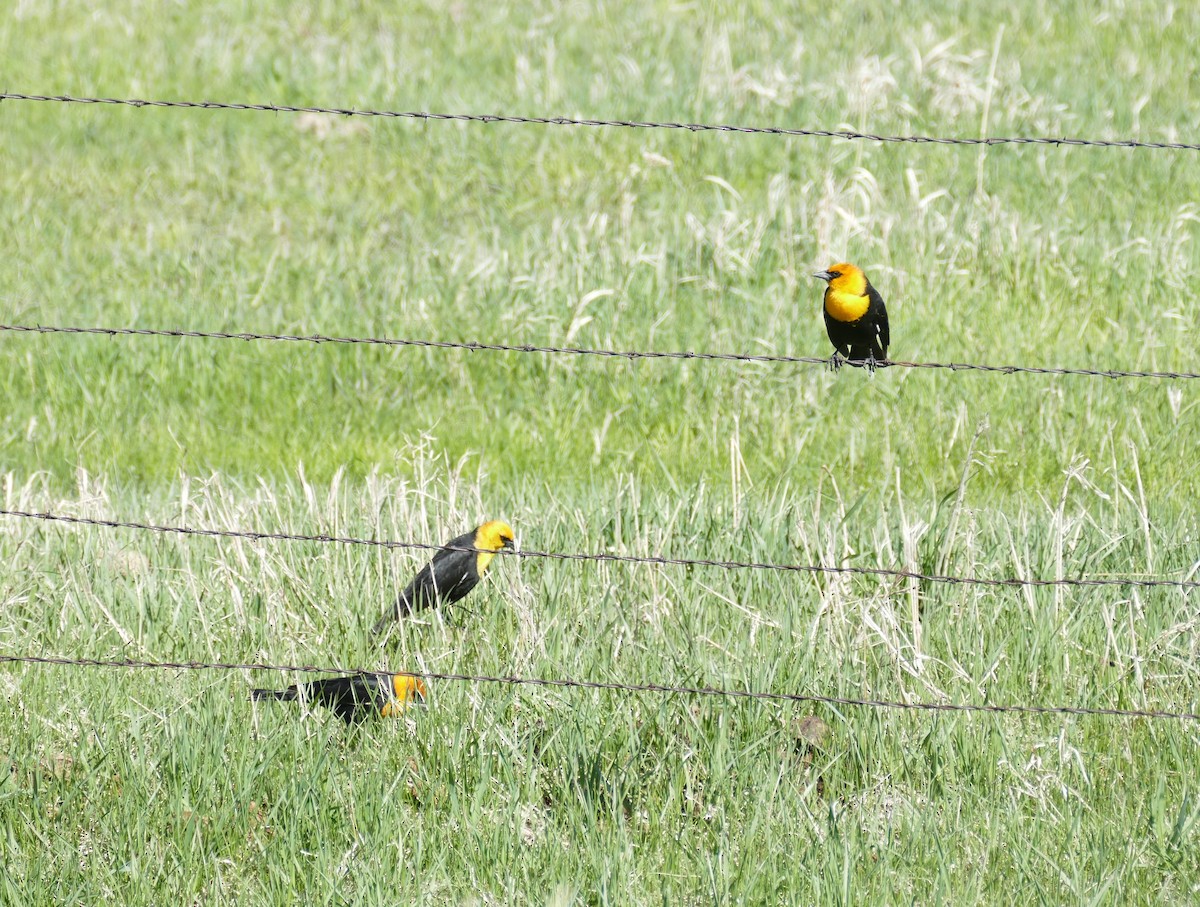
396, 612
287, 695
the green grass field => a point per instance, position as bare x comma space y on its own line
153, 786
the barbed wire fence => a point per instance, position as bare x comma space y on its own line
488, 118
614, 686
655, 560
640, 688
630, 355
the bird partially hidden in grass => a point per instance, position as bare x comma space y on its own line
855, 318
353, 697
454, 571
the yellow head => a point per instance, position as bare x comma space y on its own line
845, 278
491, 536
405, 689
494, 535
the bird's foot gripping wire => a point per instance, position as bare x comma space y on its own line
835, 361
870, 363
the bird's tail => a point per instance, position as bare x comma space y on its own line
391, 615
287, 695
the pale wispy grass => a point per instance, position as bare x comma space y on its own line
490, 781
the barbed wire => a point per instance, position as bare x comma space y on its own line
849, 135
631, 355
613, 558
608, 685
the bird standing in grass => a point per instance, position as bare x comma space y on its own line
355, 696
454, 571
855, 317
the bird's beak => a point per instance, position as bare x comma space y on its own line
508, 543
823, 275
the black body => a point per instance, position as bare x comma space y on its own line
449, 576
351, 697
867, 338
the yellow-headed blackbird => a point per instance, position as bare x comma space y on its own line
454, 571
855, 317
355, 696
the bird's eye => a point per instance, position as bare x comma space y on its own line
835, 274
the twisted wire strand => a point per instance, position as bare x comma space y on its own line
615, 558
631, 355
427, 116
613, 686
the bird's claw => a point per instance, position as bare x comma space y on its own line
835, 361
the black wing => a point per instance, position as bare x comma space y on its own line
879, 319
351, 697
449, 576
836, 332
445, 579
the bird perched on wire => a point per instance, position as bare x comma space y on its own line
454, 571
353, 697
855, 317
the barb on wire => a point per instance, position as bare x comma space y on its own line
631, 355
614, 558
628, 124
611, 685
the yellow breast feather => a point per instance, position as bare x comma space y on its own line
843, 306
482, 560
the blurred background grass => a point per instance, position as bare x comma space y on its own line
145, 787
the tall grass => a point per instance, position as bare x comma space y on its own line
149, 786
